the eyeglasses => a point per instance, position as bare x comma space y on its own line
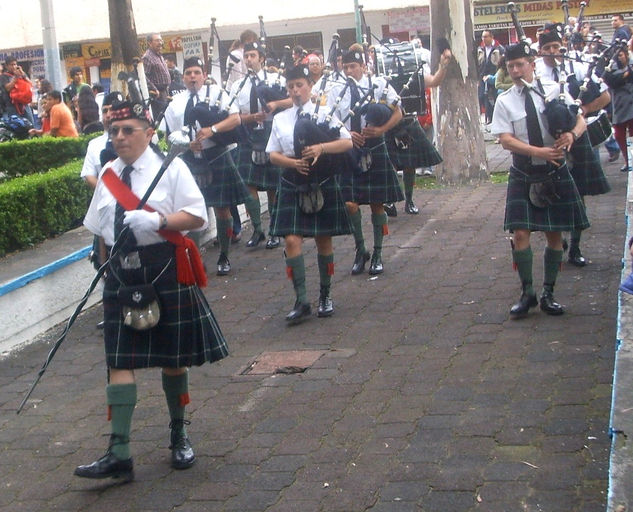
113, 131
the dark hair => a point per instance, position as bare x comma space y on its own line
97, 87
9, 60
74, 70
298, 50
45, 86
248, 36
88, 107
489, 31
56, 95
619, 16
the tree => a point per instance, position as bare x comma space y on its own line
126, 52
456, 114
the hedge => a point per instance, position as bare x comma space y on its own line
36, 207
23, 157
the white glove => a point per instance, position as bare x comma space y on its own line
142, 221
179, 137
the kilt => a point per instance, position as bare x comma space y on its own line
263, 177
420, 151
378, 185
187, 333
567, 214
289, 219
586, 170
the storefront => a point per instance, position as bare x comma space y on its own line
494, 15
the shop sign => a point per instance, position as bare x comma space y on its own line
191, 45
22, 55
96, 50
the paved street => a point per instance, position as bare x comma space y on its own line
418, 394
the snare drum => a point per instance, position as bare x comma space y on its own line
598, 128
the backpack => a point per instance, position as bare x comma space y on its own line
21, 94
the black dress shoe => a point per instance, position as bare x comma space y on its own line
626, 168
521, 308
549, 305
273, 242
101, 325
410, 208
299, 313
108, 466
375, 267
182, 456
390, 209
576, 258
224, 265
326, 306
362, 257
256, 239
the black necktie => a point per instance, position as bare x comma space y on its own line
354, 99
555, 73
119, 214
253, 98
189, 108
534, 130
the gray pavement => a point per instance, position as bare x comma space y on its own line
419, 393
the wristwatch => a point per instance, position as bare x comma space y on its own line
214, 129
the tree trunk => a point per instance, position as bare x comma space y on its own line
125, 49
456, 117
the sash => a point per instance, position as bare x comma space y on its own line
189, 267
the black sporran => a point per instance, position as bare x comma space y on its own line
543, 190
310, 198
139, 305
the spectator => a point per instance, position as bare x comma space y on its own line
488, 56
620, 80
44, 115
61, 118
88, 112
503, 80
620, 30
298, 54
13, 79
99, 94
71, 91
156, 73
315, 67
176, 84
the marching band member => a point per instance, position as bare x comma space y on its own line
290, 219
375, 182
210, 162
254, 165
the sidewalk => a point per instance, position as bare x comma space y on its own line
418, 394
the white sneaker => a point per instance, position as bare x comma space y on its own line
419, 172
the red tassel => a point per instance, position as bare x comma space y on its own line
560, 266
184, 399
289, 272
515, 267
385, 229
109, 413
183, 267
330, 269
229, 232
197, 266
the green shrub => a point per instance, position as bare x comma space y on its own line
36, 207
23, 157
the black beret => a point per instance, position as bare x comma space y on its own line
552, 33
353, 56
517, 51
193, 62
113, 98
249, 47
297, 72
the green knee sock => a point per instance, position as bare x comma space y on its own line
121, 399
379, 222
551, 265
254, 211
357, 230
408, 180
523, 261
326, 269
176, 388
296, 270
224, 227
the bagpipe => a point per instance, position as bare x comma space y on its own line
208, 113
560, 117
266, 91
614, 74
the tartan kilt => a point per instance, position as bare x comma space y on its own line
263, 177
378, 185
586, 169
420, 151
220, 183
187, 333
289, 219
567, 214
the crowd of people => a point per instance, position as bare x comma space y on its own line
322, 146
